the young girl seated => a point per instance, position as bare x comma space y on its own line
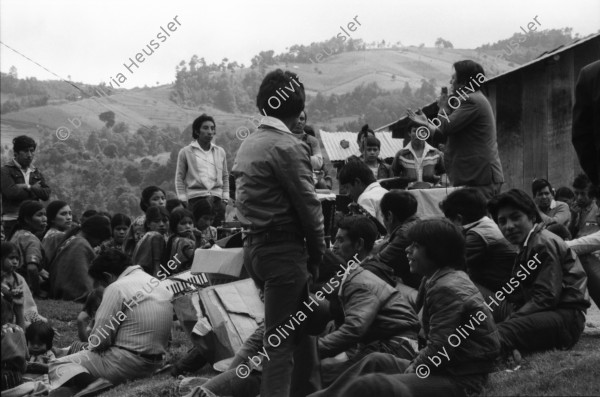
14, 348
85, 319
149, 251
182, 242
461, 338
14, 286
119, 225
31, 220
39, 337
204, 215
136, 231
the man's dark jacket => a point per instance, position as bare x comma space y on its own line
13, 196
558, 282
471, 157
274, 188
449, 300
373, 310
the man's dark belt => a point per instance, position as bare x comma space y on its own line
150, 357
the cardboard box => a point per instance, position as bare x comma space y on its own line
228, 261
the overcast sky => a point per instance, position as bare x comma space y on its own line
90, 40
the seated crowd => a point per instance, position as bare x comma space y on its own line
422, 307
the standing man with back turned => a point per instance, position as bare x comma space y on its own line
277, 205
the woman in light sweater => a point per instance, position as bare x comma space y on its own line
202, 169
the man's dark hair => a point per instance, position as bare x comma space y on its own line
443, 241
468, 202
111, 261
23, 142
467, 70
372, 141
197, 124
359, 226
98, 227
88, 214
277, 81
310, 130
514, 198
539, 184
402, 204
41, 331
356, 169
583, 182
564, 192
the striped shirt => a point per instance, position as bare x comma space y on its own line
135, 313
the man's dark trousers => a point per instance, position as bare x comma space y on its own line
560, 329
278, 265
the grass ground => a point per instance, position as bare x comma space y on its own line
555, 373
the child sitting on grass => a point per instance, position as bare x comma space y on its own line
85, 319
204, 216
39, 337
182, 243
14, 286
149, 250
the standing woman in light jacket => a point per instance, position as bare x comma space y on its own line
202, 169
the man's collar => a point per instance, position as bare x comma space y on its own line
426, 149
371, 187
470, 225
534, 229
129, 270
275, 123
197, 145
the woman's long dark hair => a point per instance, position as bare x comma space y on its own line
26, 211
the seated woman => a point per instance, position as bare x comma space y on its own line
69, 279
545, 300
462, 341
31, 220
60, 220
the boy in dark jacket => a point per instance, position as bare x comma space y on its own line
543, 304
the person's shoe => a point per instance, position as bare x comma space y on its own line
513, 360
186, 385
163, 369
95, 388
